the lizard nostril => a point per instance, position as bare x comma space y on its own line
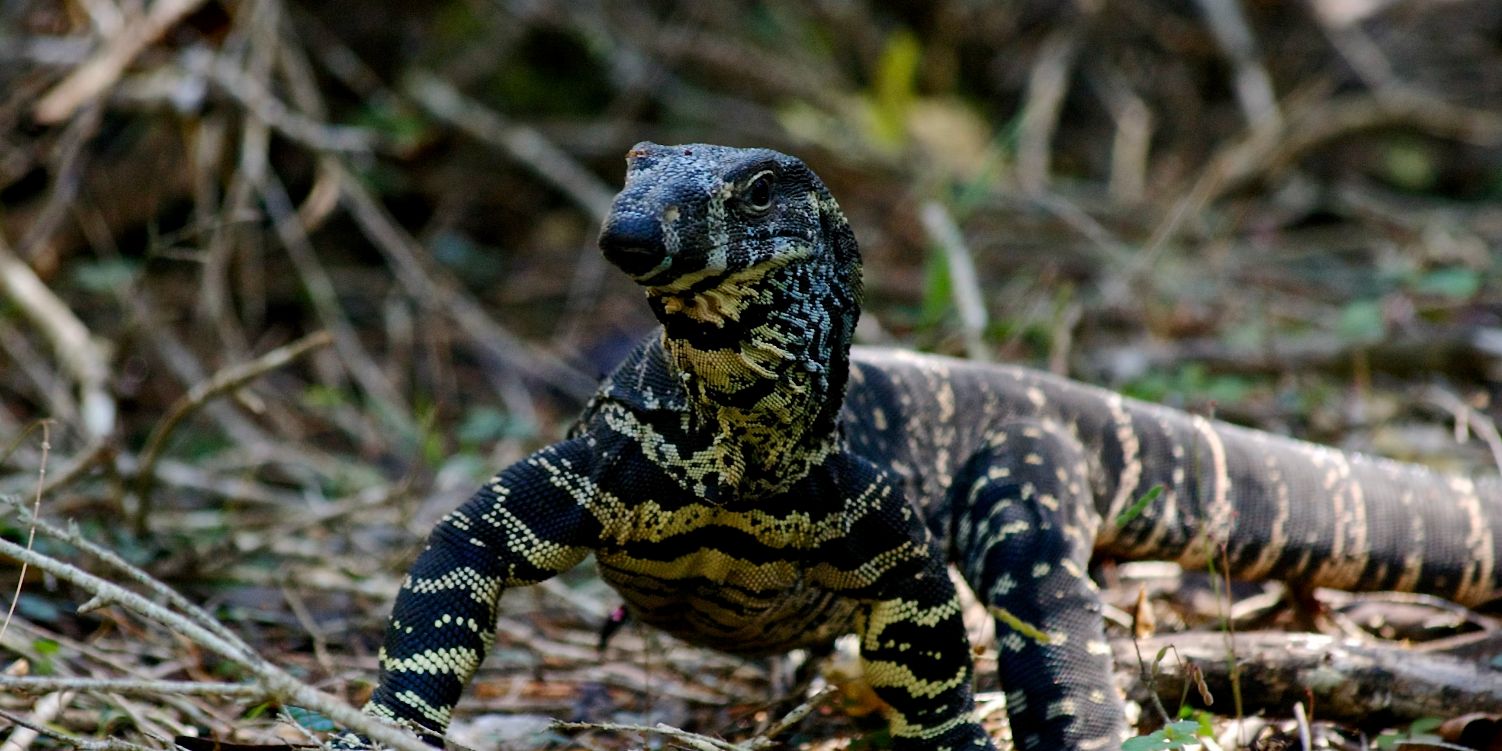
633, 242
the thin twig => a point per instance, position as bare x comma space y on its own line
693, 740
91, 79
309, 625
964, 284
51, 705
30, 363
1302, 720
277, 682
67, 168
223, 381
767, 738
31, 529
1350, 40
87, 744
1467, 418
1267, 150
73, 537
521, 142
532, 149
256, 97
763, 740
45, 711
440, 291
77, 466
1046, 88
184, 366
129, 687
1254, 88
1134, 135
82, 356
324, 295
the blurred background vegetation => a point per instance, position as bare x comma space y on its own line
1281, 213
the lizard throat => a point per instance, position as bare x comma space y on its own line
763, 361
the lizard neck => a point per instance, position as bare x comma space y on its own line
763, 354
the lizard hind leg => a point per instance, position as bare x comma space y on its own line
1024, 530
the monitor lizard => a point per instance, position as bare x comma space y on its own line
749, 481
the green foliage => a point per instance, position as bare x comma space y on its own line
228, 670
1362, 321
310, 720
432, 436
552, 72
1019, 625
486, 425
937, 300
1410, 164
1453, 282
1174, 735
1139, 506
105, 275
402, 127
1420, 730
895, 87
45, 650
1190, 383
319, 396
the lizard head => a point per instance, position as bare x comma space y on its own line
755, 276
693, 217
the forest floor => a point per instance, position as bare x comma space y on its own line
281, 282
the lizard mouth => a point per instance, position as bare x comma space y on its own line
662, 281
719, 296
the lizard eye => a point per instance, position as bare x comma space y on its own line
758, 196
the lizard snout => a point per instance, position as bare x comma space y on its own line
633, 242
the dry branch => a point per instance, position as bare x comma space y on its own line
522, 143
440, 291
36, 729
764, 740
82, 356
129, 687
1273, 146
224, 381
1423, 350
1363, 683
273, 679
1468, 420
963, 282
71, 535
256, 97
91, 79
1254, 88
45, 711
1046, 89
324, 295
67, 167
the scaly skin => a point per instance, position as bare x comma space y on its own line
738, 495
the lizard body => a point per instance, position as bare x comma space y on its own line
749, 482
